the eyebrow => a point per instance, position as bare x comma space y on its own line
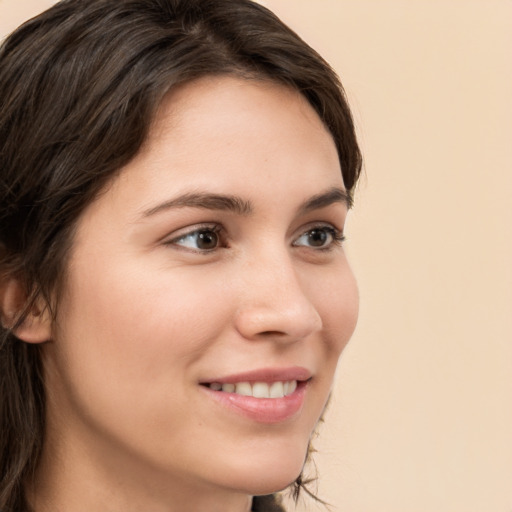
241, 206
324, 199
204, 200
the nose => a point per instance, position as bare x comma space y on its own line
275, 305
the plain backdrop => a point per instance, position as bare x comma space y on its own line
421, 418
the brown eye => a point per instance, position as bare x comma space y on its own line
204, 239
322, 237
207, 239
318, 237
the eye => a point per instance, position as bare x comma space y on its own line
320, 237
202, 239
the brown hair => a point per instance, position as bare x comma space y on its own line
79, 87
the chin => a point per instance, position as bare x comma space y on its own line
271, 485
266, 475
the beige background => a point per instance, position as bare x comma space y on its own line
421, 419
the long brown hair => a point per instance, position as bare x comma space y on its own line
79, 88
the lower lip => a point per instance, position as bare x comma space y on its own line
263, 410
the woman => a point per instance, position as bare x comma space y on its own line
175, 177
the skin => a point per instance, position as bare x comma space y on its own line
146, 315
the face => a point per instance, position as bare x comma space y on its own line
208, 296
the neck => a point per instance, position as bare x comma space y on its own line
74, 478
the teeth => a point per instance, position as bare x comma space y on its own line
243, 388
277, 390
258, 389
228, 388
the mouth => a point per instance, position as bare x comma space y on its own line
267, 396
278, 389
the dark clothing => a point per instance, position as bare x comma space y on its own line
268, 503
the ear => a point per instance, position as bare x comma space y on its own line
36, 328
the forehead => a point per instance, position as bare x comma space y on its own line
223, 135
228, 118
218, 97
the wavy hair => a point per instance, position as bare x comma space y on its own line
79, 88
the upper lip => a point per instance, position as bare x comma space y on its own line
265, 375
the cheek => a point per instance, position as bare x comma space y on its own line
127, 349
136, 306
125, 331
338, 305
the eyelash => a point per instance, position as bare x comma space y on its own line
207, 228
337, 237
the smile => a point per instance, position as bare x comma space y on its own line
278, 389
265, 396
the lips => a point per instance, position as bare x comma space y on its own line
266, 396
